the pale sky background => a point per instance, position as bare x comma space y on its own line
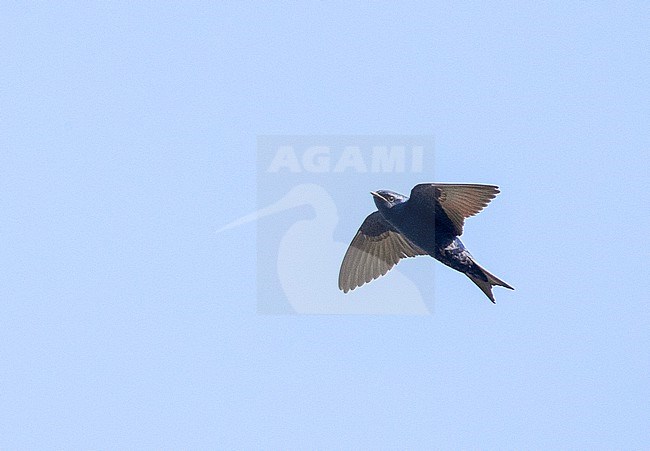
128, 136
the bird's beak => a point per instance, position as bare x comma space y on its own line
378, 195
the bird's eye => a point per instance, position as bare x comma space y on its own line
391, 198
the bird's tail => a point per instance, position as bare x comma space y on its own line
486, 285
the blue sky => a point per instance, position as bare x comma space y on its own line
129, 136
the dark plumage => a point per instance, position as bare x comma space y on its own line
428, 222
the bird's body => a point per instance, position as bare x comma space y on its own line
427, 223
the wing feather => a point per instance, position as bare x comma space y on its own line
458, 201
374, 250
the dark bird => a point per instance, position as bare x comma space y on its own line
427, 223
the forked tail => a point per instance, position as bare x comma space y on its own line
486, 284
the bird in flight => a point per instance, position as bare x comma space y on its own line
428, 222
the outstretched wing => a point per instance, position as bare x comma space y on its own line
375, 249
458, 201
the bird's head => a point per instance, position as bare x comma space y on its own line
387, 199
